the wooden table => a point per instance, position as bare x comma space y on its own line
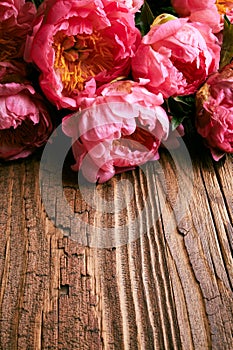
167, 284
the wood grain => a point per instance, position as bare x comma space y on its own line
159, 277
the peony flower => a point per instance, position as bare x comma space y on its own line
133, 5
122, 129
19, 12
24, 120
199, 11
210, 12
214, 119
185, 7
15, 23
79, 45
176, 57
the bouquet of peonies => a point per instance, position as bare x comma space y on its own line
130, 71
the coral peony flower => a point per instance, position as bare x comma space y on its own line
78, 45
176, 57
210, 12
214, 120
133, 5
24, 120
122, 129
15, 23
185, 7
199, 11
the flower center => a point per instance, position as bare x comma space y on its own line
80, 57
223, 6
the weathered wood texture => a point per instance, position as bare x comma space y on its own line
169, 287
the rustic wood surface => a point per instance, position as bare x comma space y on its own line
169, 287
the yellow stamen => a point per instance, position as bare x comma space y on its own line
77, 58
223, 6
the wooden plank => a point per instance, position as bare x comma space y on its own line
166, 284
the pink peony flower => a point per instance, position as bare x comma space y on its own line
24, 120
133, 5
19, 11
214, 120
199, 11
122, 129
15, 23
79, 45
176, 57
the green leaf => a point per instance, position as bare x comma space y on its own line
227, 45
37, 2
144, 19
149, 11
161, 6
180, 108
